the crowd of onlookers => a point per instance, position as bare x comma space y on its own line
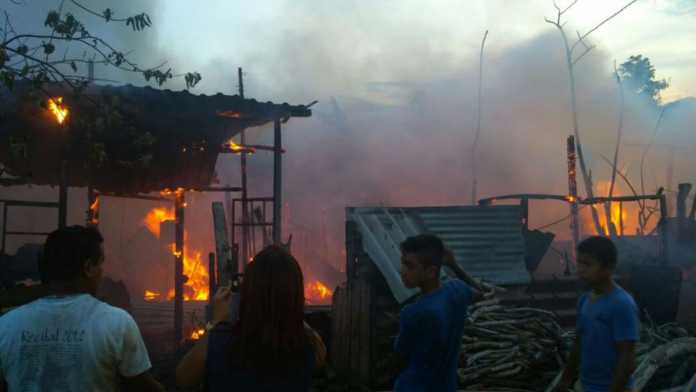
257, 340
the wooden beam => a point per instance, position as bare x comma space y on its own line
277, 183
222, 247
179, 267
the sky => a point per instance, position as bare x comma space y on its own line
405, 74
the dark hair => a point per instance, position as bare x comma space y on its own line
600, 248
271, 313
428, 247
66, 250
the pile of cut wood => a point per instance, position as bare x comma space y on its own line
511, 349
508, 349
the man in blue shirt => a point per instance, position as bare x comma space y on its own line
607, 324
430, 331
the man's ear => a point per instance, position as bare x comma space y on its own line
90, 269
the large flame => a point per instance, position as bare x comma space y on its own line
156, 216
55, 105
196, 287
317, 292
621, 214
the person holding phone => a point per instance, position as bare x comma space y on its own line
269, 347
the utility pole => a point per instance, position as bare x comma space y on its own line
573, 192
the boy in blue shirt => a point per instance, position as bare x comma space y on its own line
607, 324
430, 330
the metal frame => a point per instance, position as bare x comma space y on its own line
20, 203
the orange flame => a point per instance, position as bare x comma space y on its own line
94, 208
197, 333
316, 292
621, 215
236, 148
169, 192
151, 295
155, 217
55, 105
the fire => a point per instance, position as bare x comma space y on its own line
156, 216
236, 148
94, 208
621, 216
55, 105
196, 287
317, 291
151, 295
197, 333
169, 192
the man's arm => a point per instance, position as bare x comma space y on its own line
626, 364
570, 372
143, 383
191, 370
459, 272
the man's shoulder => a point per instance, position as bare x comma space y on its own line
623, 298
418, 310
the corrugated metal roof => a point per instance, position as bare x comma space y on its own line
486, 241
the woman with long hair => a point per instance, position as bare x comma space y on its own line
270, 347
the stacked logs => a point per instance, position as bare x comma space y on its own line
509, 349
666, 358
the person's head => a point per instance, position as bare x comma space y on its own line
73, 256
596, 259
421, 259
271, 310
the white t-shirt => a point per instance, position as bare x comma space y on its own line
71, 343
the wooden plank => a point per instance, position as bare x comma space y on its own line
355, 317
338, 345
365, 360
222, 248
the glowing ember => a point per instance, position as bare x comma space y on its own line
197, 333
155, 217
55, 105
151, 295
169, 192
317, 292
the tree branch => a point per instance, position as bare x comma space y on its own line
602, 23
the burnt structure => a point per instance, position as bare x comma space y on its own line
127, 141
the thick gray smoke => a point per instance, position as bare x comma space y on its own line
395, 124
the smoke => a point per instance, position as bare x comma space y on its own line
396, 117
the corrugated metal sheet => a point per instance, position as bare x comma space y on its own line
487, 241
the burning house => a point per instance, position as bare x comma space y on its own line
137, 144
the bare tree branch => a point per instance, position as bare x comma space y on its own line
474, 147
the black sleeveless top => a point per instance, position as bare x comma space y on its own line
223, 375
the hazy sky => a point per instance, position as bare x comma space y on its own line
355, 35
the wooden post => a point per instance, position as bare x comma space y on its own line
621, 223
246, 245
179, 266
212, 286
222, 248
277, 183
92, 207
524, 203
63, 195
573, 193
663, 229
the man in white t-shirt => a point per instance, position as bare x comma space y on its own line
70, 341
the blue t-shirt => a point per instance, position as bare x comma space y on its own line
430, 337
600, 325
222, 375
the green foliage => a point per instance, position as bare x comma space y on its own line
192, 79
139, 22
638, 75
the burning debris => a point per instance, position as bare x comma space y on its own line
316, 292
